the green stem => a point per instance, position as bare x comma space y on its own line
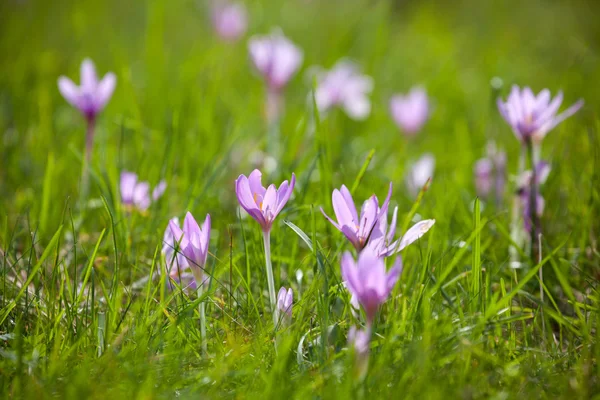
533, 191
270, 281
516, 228
201, 307
87, 160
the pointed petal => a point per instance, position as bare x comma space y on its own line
89, 79
69, 91
329, 219
104, 91
159, 190
413, 234
343, 214
254, 180
349, 202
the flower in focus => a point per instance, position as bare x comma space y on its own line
136, 194
176, 265
262, 204
346, 87
532, 117
368, 279
357, 230
419, 173
285, 299
276, 58
411, 111
230, 20
92, 95
381, 240
192, 242
524, 186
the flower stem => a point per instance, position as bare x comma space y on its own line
533, 193
270, 281
87, 160
516, 229
201, 307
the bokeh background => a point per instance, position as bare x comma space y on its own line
188, 108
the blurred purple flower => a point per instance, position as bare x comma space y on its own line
419, 173
91, 97
381, 240
359, 340
262, 204
357, 230
524, 187
176, 265
346, 87
532, 117
368, 279
490, 173
410, 112
230, 20
285, 299
275, 57
137, 194
192, 242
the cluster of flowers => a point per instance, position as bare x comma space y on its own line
277, 59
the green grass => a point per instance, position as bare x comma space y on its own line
80, 317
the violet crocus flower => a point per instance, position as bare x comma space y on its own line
532, 117
368, 280
382, 239
136, 194
410, 111
356, 229
524, 187
230, 20
419, 173
193, 243
344, 86
262, 204
285, 299
176, 264
276, 58
91, 97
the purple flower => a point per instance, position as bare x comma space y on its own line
346, 87
484, 181
381, 240
276, 58
368, 280
230, 20
524, 186
137, 194
359, 340
91, 97
285, 299
532, 117
193, 242
410, 112
262, 204
357, 230
419, 173
490, 173
176, 264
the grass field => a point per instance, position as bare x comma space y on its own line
87, 310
